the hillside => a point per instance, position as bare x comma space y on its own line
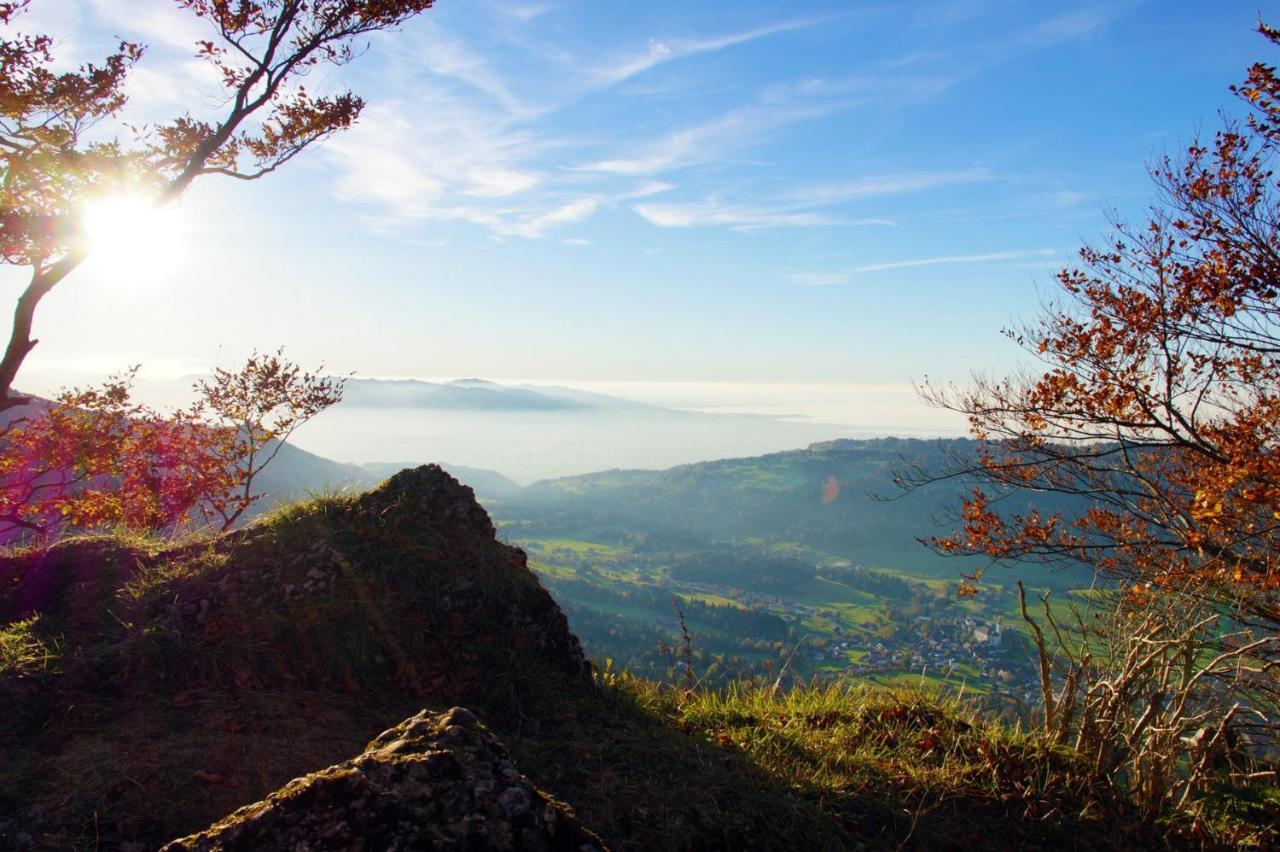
836, 497
256, 656
296, 474
155, 687
798, 564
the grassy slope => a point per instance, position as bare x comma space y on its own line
830, 767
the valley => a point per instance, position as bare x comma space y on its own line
776, 574
786, 567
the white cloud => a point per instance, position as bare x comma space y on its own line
155, 21
738, 217
667, 50
523, 11
472, 168
500, 182
802, 207
821, 279
464, 132
653, 187
431, 49
886, 185
739, 128
391, 180
381, 162
1066, 27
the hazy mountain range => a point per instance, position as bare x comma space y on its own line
533, 432
480, 395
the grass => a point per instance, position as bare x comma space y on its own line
843, 766
559, 572
932, 682
713, 600
577, 548
24, 649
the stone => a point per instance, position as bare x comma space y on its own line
435, 781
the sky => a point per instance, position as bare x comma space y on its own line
716, 202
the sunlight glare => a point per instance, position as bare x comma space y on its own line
133, 240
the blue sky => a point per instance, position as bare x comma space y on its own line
853, 194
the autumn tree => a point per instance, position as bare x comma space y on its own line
1152, 422
57, 146
258, 408
1157, 403
94, 458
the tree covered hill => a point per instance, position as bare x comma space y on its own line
838, 498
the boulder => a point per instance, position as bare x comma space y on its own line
435, 781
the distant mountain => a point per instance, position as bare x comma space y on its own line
296, 473
532, 432
458, 395
587, 399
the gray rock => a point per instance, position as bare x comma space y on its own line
435, 781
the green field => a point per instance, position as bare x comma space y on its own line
714, 600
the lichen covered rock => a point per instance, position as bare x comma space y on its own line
432, 782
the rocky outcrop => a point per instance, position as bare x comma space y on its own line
432, 782
176, 682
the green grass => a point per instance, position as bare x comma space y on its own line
937, 584
23, 650
577, 548
713, 600
1061, 604
559, 572
933, 682
852, 656
843, 766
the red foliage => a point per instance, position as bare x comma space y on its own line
94, 459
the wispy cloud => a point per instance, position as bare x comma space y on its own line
807, 206
471, 167
430, 49
523, 11
477, 135
660, 51
412, 169
462, 143
843, 276
738, 217
531, 227
737, 129
163, 23
1066, 27
879, 186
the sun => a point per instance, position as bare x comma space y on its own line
132, 239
